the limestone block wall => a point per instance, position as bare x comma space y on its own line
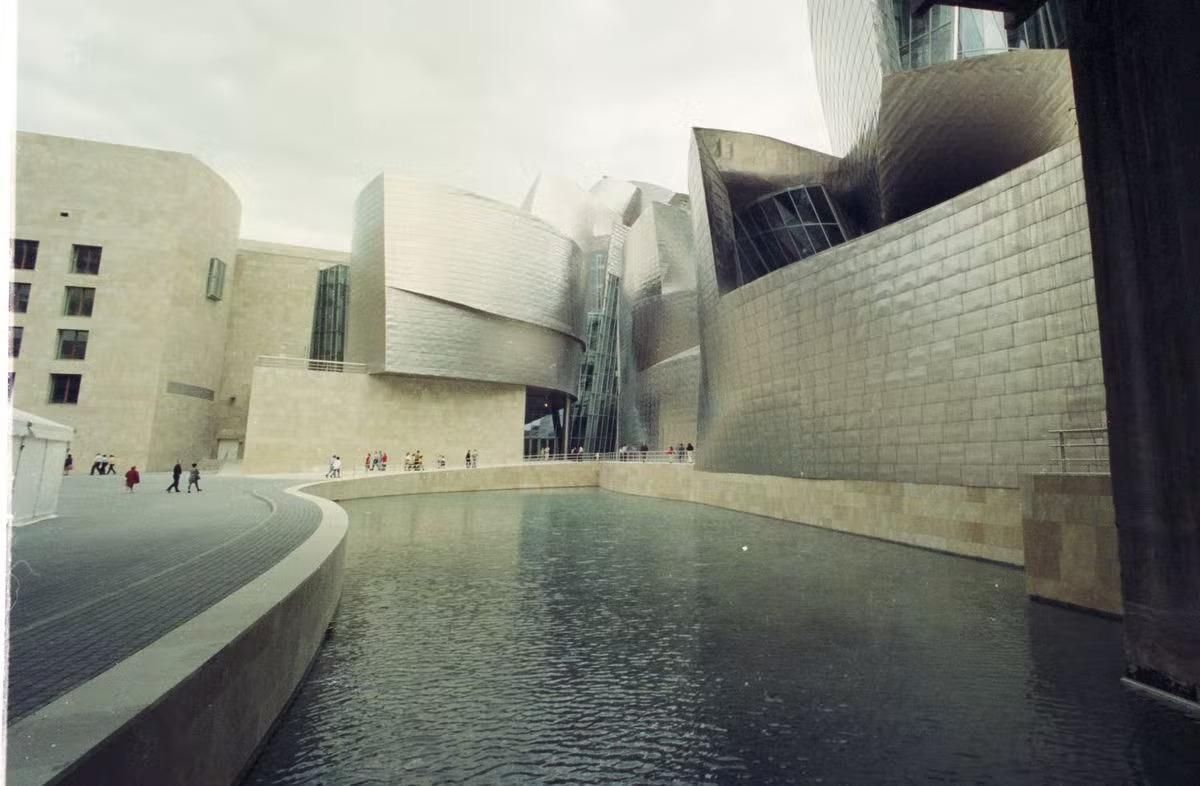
1071, 548
272, 297
159, 217
297, 418
938, 350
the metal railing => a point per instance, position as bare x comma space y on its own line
305, 364
632, 457
1079, 450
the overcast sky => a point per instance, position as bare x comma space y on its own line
299, 103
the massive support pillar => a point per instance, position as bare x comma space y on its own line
1137, 88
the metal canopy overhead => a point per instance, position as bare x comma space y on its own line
1017, 10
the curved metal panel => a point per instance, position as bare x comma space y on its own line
459, 247
434, 338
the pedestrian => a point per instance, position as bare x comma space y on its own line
367, 463
132, 479
102, 463
670, 452
337, 466
467, 461
69, 464
176, 471
329, 472
679, 452
95, 465
441, 460
691, 453
383, 461
112, 464
194, 479
475, 457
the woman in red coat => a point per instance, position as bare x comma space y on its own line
132, 478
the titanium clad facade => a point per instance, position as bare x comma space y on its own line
924, 108
445, 283
659, 391
940, 349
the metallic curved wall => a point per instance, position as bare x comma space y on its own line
939, 350
915, 129
660, 331
446, 283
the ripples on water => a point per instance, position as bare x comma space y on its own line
585, 636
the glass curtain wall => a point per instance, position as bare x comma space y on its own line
594, 417
329, 315
782, 228
947, 33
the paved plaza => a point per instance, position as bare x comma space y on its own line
116, 571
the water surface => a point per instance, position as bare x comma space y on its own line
591, 637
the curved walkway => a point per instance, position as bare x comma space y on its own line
116, 571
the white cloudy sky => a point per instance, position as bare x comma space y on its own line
298, 103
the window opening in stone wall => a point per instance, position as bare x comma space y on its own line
18, 297
79, 301
25, 254
85, 259
12, 380
328, 340
215, 289
15, 334
64, 388
72, 344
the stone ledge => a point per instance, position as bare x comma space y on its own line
194, 706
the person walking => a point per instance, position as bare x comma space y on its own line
383, 461
112, 464
475, 458
691, 453
367, 463
337, 466
194, 479
329, 472
176, 471
96, 464
69, 464
132, 479
467, 460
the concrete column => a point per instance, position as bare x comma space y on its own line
1137, 87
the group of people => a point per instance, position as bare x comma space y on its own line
335, 467
133, 477
414, 461
104, 463
681, 453
376, 461
472, 459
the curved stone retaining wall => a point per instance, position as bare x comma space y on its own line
194, 706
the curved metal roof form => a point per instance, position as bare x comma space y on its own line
950, 127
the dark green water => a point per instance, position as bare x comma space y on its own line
591, 637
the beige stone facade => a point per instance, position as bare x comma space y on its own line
299, 417
147, 385
271, 314
1071, 549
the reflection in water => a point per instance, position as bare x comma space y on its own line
572, 636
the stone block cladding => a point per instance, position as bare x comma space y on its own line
940, 349
1070, 536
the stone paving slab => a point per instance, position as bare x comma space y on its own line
116, 571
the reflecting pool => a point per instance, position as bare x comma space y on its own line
586, 636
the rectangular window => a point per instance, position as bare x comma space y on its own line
79, 301
18, 297
216, 279
12, 380
64, 388
72, 344
25, 254
15, 333
85, 259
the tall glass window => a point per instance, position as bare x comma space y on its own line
215, 288
64, 388
329, 314
15, 334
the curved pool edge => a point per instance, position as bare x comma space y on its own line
194, 706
